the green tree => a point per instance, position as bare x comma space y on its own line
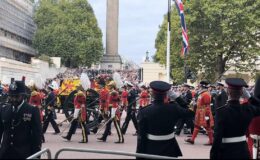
68, 29
221, 35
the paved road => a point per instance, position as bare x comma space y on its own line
55, 142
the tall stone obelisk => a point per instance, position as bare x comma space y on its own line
111, 59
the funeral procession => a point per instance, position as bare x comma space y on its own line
121, 79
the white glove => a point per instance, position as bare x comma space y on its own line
113, 112
206, 118
76, 113
246, 94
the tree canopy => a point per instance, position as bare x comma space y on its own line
221, 34
68, 29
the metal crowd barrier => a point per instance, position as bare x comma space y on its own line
36, 155
111, 153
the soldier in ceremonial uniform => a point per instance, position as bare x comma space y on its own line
187, 98
232, 121
79, 116
36, 101
124, 95
156, 123
114, 107
203, 115
221, 98
130, 109
143, 102
254, 138
20, 125
103, 105
49, 111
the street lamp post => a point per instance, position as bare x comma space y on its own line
168, 43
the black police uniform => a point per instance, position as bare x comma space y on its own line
231, 124
156, 124
20, 129
130, 111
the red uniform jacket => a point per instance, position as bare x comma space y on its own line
36, 100
80, 103
143, 99
103, 99
92, 84
114, 99
124, 98
203, 110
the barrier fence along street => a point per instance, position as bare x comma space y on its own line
36, 155
111, 153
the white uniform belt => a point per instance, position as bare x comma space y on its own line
234, 139
161, 138
255, 136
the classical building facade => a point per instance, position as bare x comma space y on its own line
16, 30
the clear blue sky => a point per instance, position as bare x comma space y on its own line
139, 22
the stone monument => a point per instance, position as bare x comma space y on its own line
111, 59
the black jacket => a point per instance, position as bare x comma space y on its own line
159, 119
187, 97
232, 120
221, 99
20, 132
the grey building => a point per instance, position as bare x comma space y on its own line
16, 30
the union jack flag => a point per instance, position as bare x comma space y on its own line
185, 38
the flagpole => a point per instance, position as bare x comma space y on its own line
168, 43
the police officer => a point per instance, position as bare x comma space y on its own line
232, 121
20, 125
156, 123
